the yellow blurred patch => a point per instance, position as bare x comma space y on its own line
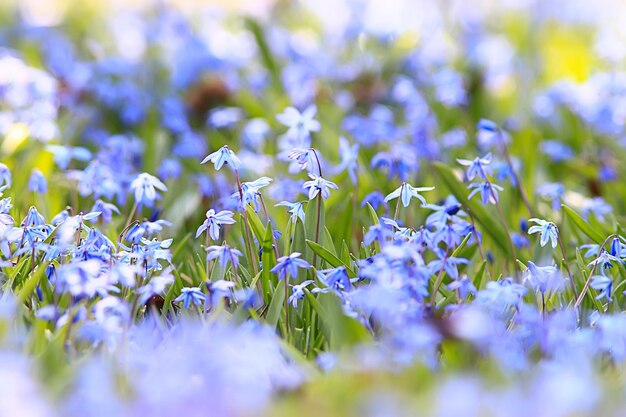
566, 53
17, 134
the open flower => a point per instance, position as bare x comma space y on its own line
223, 156
213, 221
406, 192
317, 185
548, 231
145, 187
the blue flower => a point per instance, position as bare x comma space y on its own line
289, 265
223, 156
349, 159
224, 117
488, 192
489, 134
107, 210
447, 263
63, 155
5, 175
191, 295
406, 191
254, 133
300, 124
335, 278
605, 260
297, 292
317, 185
375, 199
295, 209
464, 285
544, 279
552, 191
548, 231
225, 254
169, 168
476, 167
144, 187
213, 221
250, 192
603, 284
304, 158
37, 182
598, 207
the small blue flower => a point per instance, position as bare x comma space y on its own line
375, 199
250, 192
476, 167
317, 185
190, 295
37, 182
223, 156
213, 221
144, 187
548, 231
544, 279
349, 159
552, 191
107, 210
447, 263
335, 278
289, 265
464, 285
300, 124
63, 155
225, 254
5, 175
305, 158
295, 209
605, 260
488, 192
297, 292
603, 284
406, 192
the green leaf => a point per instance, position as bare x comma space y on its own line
343, 331
255, 224
345, 253
329, 257
275, 308
372, 213
491, 227
31, 283
582, 225
328, 241
310, 217
479, 279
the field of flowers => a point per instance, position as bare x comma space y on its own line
312, 208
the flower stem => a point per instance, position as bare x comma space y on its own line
274, 244
569, 272
504, 223
131, 215
579, 300
319, 208
248, 237
395, 216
